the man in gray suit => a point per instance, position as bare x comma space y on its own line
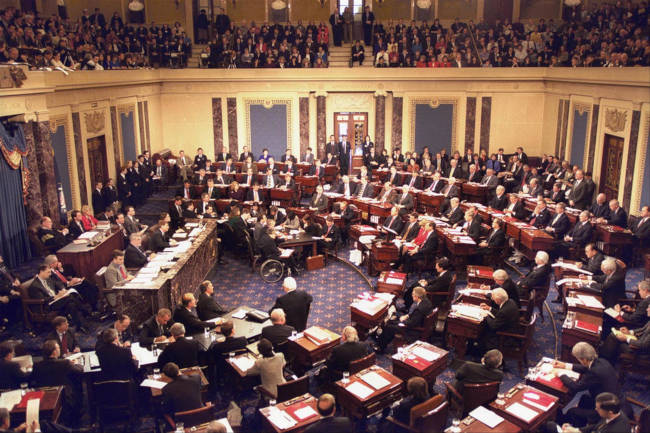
184, 164
131, 223
116, 272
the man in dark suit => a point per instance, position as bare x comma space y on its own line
331, 158
182, 351
184, 314
557, 195
344, 154
392, 222
436, 185
628, 340
201, 178
516, 208
295, 304
500, 200
454, 215
200, 160
331, 234
495, 240
541, 216
131, 223
11, 375
537, 276
255, 194
245, 154
155, 329
609, 419
53, 371
596, 376
279, 331
222, 178
474, 175
183, 393
75, 227
64, 336
472, 225
270, 180
600, 208
223, 156
582, 231
454, 170
504, 317
593, 259
116, 361
641, 228
211, 191
342, 355
364, 189
347, 188
318, 201
426, 244
208, 308
329, 423
394, 177
559, 225
88, 293
437, 285
488, 370
578, 196
230, 344
418, 311
186, 192
503, 280
411, 228
55, 296
317, 169
204, 204
98, 198
134, 257
158, 241
412, 180
610, 285
404, 201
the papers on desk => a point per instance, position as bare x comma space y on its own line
375, 380
367, 239
425, 353
540, 401
244, 363
144, 356
24, 361
609, 311
358, 389
397, 281
469, 292
522, 412
195, 232
10, 398
370, 307
570, 280
281, 419
67, 293
33, 407
456, 231
590, 301
151, 383
305, 412
570, 267
239, 314
472, 311
486, 416
88, 235
191, 225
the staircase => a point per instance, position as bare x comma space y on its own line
339, 57
193, 62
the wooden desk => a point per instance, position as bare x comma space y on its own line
571, 334
190, 371
366, 313
613, 239
203, 428
475, 298
241, 373
396, 287
471, 425
430, 201
475, 192
459, 330
516, 395
554, 386
307, 352
86, 259
458, 249
408, 364
579, 307
289, 407
379, 212
301, 240
308, 183
281, 197
246, 328
49, 407
533, 240
359, 408
382, 254
480, 274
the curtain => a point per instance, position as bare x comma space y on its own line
14, 241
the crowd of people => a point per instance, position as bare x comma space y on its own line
89, 42
608, 35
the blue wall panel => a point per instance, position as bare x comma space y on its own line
128, 136
579, 137
61, 164
269, 130
645, 191
433, 127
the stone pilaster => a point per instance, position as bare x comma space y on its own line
486, 115
232, 126
470, 123
321, 125
398, 105
380, 123
217, 126
81, 166
303, 103
47, 177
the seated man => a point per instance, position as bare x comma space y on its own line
184, 313
610, 418
418, 311
11, 375
500, 200
503, 280
230, 344
404, 200
559, 225
208, 308
270, 367
183, 393
425, 244
579, 236
411, 228
88, 291
537, 276
596, 376
627, 341
593, 259
392, 224
116, 272
10, 303
278, 332
64, 336
454, 214
488, 370
116, 361
472, 225
516, 207
75, 227
331, 234
182, 351
56, 371
504, 317
268, 247
342, 355
637, 317
495, 241
329, 423
158, 241
318, 201
610, 285
134, 256
439, 283
52, 239
155, 329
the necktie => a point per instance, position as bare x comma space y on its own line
269, 181
64, 344
61, 277
187, 193
123, 272
209, 192
159, 171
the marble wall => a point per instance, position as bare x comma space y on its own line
565, 126
486, 118
470, 123
116, 142
76, 127
592, 138
217, 125
321, 125
303, 105
398, 106
34, 208
47, 178
232, 125
631, 158
380, 123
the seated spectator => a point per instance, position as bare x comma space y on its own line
342, 355
11, 375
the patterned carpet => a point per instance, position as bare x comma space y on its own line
333, 289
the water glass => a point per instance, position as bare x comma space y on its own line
156, 373
272, 402
455, 425
400, 352
500, 401
346, 376
294, 333
23, 388
180, 427
231, 355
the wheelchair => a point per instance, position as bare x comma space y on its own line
273, 270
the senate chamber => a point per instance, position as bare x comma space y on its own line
446, 228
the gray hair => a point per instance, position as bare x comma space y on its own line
584, 351
542, 256
277, 315
500, 294
289, 283
177, 329
135, 236
644, 285
215, 427
50, 259
500, 188
500, 274
608, 265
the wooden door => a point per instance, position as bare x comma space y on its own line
610, 172
498, 9
97, 159
354, 125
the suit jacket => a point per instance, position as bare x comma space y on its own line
343, 354
491, 181
230, 344
456, 173
277, 334
593, 264
641, 230
157, 242
450, 191
496, 239
98, 201
318, 202
268, 247
410, 232
639, 317
366, 191
131, 226
112, 276
394, 224
558, 196
109, 194
581, 233
56, 372
535, 277
182, 352
405, 201
296, 305
519, 210
275, 178
134, 257
474, 372
70, 340
612, 289
244, 155
182, 394
599, 377
208, 308
579, 194
600, 210
76, 229
222, 157
436, 186
643, 338
331, 425
505, 318
193, 325
541, 220
38, 291
454, 215
116, 362
214, 195
176, 217
416, 318
440, 283
352, 188
499, 203
474, 229
413, 180
181, 191
621, 424
151, 330
474, 177
561, 225
618, 218
321, 171
394, 179
11, 376
334, 234
251, 196
511, 289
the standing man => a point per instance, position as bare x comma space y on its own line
336, 21
295, 304
344, 154
368, 19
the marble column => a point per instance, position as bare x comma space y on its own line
34, 205
558, 129
631, 159
303, 103
380, 123
146, 120
217, 126
592, 137
486, 115
79, 151
321, 125
47, 177
470, 123
398, 105
565, 124
143, 142
116, 140
232, 126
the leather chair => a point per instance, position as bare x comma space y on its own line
541, 293
473, 396
363, 363
523, 339
110, 295
287, 390
191, 418
115, 404
35, 311
429, 416
423, 333
527, 306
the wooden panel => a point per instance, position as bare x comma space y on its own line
611, 168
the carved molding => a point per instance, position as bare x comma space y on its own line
95, 121
582, 108
434, 103
126, 109
615, 120
57, 121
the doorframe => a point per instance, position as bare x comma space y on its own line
600, 181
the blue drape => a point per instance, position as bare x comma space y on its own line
14, 242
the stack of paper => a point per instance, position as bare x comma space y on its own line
590, 301
486, 416
375, 380
144, 356
88, 235
305, 412
425, 354
370, 307
151, 383
522, 412
360, 390
244, 363
281, 419
239, 314
10, 398
471, 311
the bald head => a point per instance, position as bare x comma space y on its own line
278, 317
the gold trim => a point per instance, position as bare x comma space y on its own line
433, 103
65, 121
267, 104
